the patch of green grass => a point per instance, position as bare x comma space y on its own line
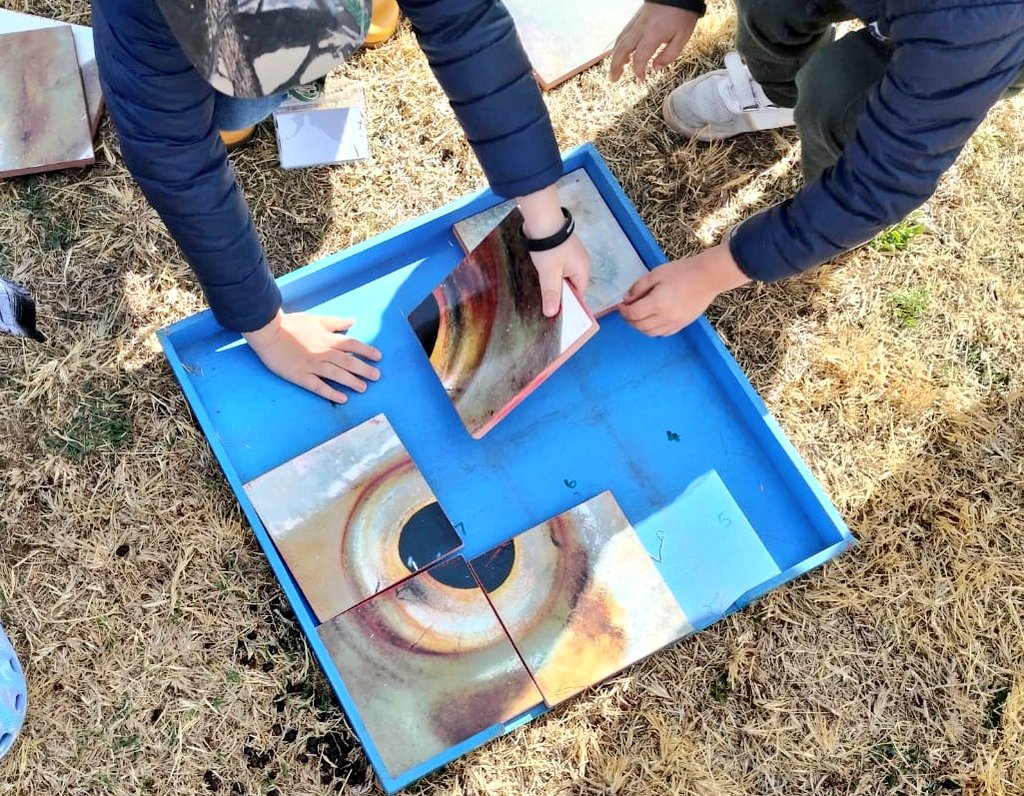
57, 234
898, 764
720, 687
234, 676
980, 361
909, 306
897, 238
909, 767
98, 424
127, 742
994, 714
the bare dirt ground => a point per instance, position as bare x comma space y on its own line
162, 657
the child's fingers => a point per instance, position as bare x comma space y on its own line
665, 329
640, 310
670, 52
642, 55
649, 326
577, 271
317, 385
623, 50
353, 364
340, 375
624, 46
640, 288
337, 324
358, 348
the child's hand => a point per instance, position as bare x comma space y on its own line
568, 261
653, 25
306, 349
542, 216
674, 295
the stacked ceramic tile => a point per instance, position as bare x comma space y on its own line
50, 92
484, 331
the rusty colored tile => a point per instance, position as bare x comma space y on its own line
614, 263
580, 598
45, 125
428, 665
564, 38
85, 50
352, 517
484, 330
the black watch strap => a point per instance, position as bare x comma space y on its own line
556, 240
696, 6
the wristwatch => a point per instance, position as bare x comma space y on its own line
553, 241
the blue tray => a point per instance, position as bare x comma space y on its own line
720, 498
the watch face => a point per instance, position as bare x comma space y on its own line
256, 48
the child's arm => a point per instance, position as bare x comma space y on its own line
475, 53
163, 112
948, 67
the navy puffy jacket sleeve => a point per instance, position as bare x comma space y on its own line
948, 67
163, 112
475, 53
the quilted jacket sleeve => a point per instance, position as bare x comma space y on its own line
163, 112
949, 66
474, 51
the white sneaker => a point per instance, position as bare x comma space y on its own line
722, 104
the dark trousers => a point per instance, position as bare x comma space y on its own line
788, 47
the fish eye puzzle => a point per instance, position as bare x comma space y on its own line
614, 263
352, 517
485, 333
429, 665
580, 598
454, 588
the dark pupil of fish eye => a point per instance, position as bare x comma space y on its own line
426, 323
492, 568
428, 535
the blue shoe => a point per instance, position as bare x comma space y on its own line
13, 694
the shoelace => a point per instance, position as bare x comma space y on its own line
746, 91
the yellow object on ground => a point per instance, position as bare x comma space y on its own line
383, 22
235, 138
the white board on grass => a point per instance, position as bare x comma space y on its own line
328, 130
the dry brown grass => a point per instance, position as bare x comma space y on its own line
162, 659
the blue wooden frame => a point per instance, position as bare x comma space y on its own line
254, 421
